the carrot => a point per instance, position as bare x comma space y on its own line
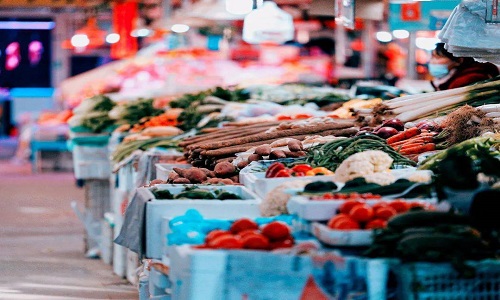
403, 135
419, 149
405, 143
420, 136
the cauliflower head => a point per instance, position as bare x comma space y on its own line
275, 202
362, 164
381, 178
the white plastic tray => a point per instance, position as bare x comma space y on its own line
262, 186
334, 237
323, 210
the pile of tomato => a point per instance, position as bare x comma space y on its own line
354, 214
349, 196
246, 234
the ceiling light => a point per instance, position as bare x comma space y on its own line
80, 41
112, 38
401, 34
426, 43
384, 36
179, 28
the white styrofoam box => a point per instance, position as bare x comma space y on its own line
261, 185
334, 237
218, 274
132, 265
197, 275
126, 177
158, 283
91, 162
163, 170
156, 210
323, 210
107, 238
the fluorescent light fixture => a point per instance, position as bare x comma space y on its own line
80, 41
179, 28
35, 25
112, 38
401, 34
426, 43
239, 7
384, 36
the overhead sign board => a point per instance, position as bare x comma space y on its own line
420, 15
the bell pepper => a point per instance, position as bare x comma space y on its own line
298, 174
303, 168
274, 169
319, 171
283, 173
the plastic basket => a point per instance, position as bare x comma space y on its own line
426, 281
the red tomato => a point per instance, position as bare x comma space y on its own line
276, 231
255, 241
346, 224
337, 219
286, 243
329, 196
347, 206
361, 213
379, 205
243, 224
215, 233
400, 206
385, 213
226, 242
247, 232
377, 223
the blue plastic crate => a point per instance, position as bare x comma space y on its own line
428, 281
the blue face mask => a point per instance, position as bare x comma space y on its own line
438, 70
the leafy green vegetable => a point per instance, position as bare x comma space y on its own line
163, 194
224, 195
320, 186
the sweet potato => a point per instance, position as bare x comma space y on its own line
173, 176
156, 181
275, 154
224, 169
213, 181
227, 181
181, 181
242, 164
263, 150
209, 173
235, 178
295, 145
181, 172
254, 157
196, 175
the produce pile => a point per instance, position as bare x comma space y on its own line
194, 192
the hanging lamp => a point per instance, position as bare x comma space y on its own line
268, 23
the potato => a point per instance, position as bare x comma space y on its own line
224, 169
263, 150
254, 157
275, 154
195, 175
295, 145
295, 154
242, 164
181, 181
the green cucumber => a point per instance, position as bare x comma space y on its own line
426, 219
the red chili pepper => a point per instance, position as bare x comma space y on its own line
302, 168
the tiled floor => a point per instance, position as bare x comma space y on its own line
41, 241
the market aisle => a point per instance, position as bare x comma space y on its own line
41, 241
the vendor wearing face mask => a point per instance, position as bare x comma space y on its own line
452, 72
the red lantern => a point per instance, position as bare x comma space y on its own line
125, 14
